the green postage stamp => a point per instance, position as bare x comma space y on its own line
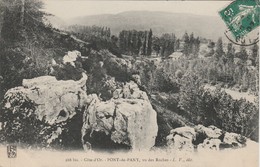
241, 17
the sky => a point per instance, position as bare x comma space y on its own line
67, 9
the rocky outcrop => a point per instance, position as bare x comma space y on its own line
201, 138
65, 114
181, 138
71, 57
39, 110
55, 101
58, 111
127, 120
130, 90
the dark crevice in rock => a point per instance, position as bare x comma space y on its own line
102, 142
70, 138
221, 137
62, 113
200, 137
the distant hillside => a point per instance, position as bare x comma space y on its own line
161, 22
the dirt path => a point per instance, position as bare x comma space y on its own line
235, 94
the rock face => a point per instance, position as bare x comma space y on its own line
181, 138
71, 57
55, 100
39, 111
59, 112
127, 120
201, 138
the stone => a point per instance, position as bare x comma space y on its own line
52, 96
128, 119
181, 143
181, 138
202, 138
71, 57
48, 102
234, 140
209, 144
130, 91
185, 131
210, 131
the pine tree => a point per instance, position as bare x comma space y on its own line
219, 49
177, 45
230, 52
145, 44
139, 42
196, 46
149, 43
191, 44
242, 54
23, 20
122, 41
130, 43
156, 45
254, 53
186, 41
135, 42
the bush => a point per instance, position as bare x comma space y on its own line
219, 109
20, 123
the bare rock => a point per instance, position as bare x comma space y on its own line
55, 100
39, 110
179, 142
233, 140
209, 144
130, 91
127, 120
203, 138
210, 131
181, 139
185, 131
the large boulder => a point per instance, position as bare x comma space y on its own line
210, 131
55, 100
181, 138
40, 109
128, 120
71, 57
130, 90
203, 138
210, 144
233, 140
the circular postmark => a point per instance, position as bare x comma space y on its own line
246, 40
242, 20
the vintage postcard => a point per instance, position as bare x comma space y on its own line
129, 83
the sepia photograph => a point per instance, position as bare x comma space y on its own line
129, 83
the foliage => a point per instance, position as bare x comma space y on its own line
217, 108
20, 123
98, 37
134, 42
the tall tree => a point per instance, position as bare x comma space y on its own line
230, 51
145, 43
242, 54
219, 49
196, 46
122, 41
186, 44
253, 54
23, 20
177, 45
191, 44
149, 43
156, 45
